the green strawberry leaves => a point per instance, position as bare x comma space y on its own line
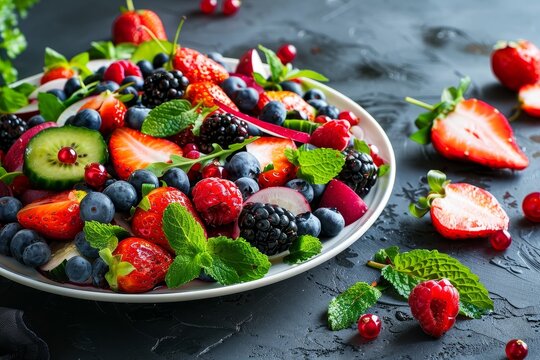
345, 309
437, 182
317, 166
449, 99
149, 49
117, 267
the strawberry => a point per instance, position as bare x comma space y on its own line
334, 135
59, 72
131, 150
111, 110
150, 263
197, 67
118, 71
147, 222
129, 27
272, 178
460, 210
207, 93
271, 151
529, 99
291, 100
55, 217
516, 64
469, 130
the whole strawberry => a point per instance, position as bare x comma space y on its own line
197, 67
435, 304
132, 26
516, 63
219, 201
334, 135
207, 93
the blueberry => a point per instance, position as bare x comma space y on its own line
146, 67
203, 276
233, 84
106, 85
84, 246
135, 116
36, 254
177, 178
247, 186
246, 99
69, 120
21, 240
318, 190
303, 187
99, 269
122, 194
109, 181
6, 234
314, 94
88, 118
308, 224
60, 94
92, 78
253, 130
35, 120
96, 206
217, 57
274, 113
9, 207
292, 86
297, 115
243, 164
140, 177
78, 269
71, 86
160, 60
136, 81
332, 221
329, 110
101, 71
317, 103
130, 90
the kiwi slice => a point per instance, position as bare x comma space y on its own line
41, 164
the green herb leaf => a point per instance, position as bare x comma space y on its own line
318, 166
149, 49
361, 146
384, 255
107, 50
303, 248
25, 88
345, 309
309, 74
11, 100
54, 59
50, 106
7, 177
79, 62
101, 236
382, 170
170, 118
235, 261
184, 233
183, 269
276, 67
259, 79
401, 282
8, 73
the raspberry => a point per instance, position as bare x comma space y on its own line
435, 304
118, 71
334, 134
219, 201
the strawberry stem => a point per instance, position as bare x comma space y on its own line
376, 265
154, 37
516, 114
129, 4
422, 104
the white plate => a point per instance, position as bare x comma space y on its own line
376, 200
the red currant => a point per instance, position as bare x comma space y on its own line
377, 159
286, 53
369, 326
531, 206
322, 119
230, 7
208, 6
189, 147
500, 240
350, 117
67, 155
516, 350
95, 175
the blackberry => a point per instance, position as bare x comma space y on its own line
222, 129
268, 227
163, 86
11, 127
359, 171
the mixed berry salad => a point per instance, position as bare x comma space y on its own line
162, 166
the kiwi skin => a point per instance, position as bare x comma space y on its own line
64, 178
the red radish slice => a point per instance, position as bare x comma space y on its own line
72, 110
49, 85
268, 128
249, 63
340, 196
5, 190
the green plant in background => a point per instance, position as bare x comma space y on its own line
12, 40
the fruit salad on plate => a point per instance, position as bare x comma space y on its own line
157, 165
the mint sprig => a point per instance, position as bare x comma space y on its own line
8, 177
54, 59
303, 248
317, 166
159, 168
437, 182
12, 99
101, 236
107, 50
227, 261
345, 309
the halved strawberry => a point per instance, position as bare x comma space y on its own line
197, 67
131, 150
207, 93
529, 99
111, 109
271, 151
469, 130
59, 72
291, 100
460, 210
55, 217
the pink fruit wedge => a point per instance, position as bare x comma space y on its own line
340, 196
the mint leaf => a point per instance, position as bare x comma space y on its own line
361, 146
80, 61
318, 166
384, 256
54, 59
11, 100
303, 248
170, 118
401, 282
345, 309
8, 73
25, 88
184, 233
107, 50
149, 49
182, 270
235, 261
50, 106
276, 67
310, 74
101, 236
382, 170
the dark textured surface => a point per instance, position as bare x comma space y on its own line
376, 52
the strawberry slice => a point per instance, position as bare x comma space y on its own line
131, 150
209, 94
111, 109
55, 217
460, 210
198, 67
271, 151
529, 99
291, 100
469, 130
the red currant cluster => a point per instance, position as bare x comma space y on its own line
230, 7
